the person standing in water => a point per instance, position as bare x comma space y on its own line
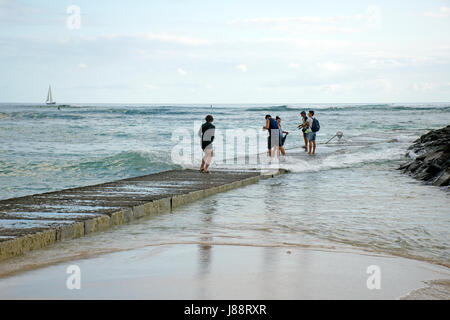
206, 133
273, 140
304, 126
313, 127
282, 138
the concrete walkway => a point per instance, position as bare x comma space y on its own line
36, 221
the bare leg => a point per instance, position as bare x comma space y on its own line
314, 147
202, 167
283, 152
306, 142
274, 153
208, 157
310, 147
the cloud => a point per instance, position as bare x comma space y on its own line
151, 87
444, 12
13, 12
373, 16
379, 84
427, 56
182, 72
152, 37
386, 62
242, 67
111, 86
370, 19
294, 65
331, 66
82, 66
422, 86
426, 86
177, 39
333, 88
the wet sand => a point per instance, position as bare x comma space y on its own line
202, 271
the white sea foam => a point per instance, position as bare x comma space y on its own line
336, 161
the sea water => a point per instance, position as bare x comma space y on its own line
350, 193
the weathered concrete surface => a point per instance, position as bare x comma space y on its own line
36, 221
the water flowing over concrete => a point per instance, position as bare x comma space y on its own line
36, 221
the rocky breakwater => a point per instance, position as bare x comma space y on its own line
429, 157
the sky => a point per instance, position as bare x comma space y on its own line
210, 51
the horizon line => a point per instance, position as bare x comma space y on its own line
219, 103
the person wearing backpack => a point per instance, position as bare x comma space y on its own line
314, 127
273, 141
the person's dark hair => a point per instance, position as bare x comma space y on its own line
268, 116
303, 112
278, 118
312, 112
209, 118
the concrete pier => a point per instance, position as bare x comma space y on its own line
36, 221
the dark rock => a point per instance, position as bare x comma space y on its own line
432, 161
415, 165
406, 165
443, 179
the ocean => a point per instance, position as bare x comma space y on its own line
349, 194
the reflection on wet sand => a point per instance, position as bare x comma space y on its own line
208, 208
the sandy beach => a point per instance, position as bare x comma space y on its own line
200, 271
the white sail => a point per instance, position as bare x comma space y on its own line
49, 96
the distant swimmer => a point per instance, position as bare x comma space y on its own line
304, 127
282, 136
273, 141
206, 133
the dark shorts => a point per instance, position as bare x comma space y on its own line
282, 140
275, 138
206, 145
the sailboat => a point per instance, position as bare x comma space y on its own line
49, 100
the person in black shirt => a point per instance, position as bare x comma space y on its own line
206, 132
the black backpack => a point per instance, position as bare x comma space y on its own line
315, 127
